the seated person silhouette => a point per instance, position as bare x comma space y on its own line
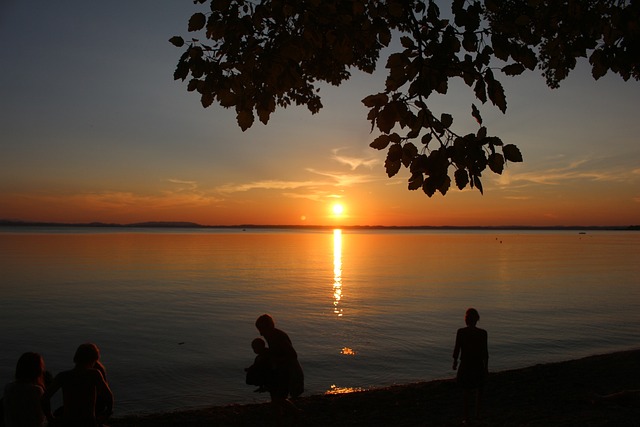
81, 387
21, 403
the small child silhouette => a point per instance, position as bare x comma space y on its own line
260, 372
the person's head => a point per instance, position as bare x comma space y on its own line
471, 317
264, 324
87, 354
30, 367
258, 345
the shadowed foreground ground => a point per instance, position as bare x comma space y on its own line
558, 394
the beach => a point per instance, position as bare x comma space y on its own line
601, 390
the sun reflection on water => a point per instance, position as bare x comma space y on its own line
337, 271
334, 389
348, 351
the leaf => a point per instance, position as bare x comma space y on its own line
182, 71
513, 69
387, 118
380, 143
462, 178
512, 153
263, 115
377, 100
496, 163
429, 187
206, 99
245, 119
446, 120
480, 90
475, 180
409, 152
482, 133
226, 98
193, 85
470, 41
197, 21
407, 42
392, 167
476, 114
177, 41
496, 92
444, 185
599, 68
415, 181
394, 153
384, 36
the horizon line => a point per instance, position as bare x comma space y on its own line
188, 224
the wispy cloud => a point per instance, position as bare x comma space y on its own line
354, 163
346, 179
583, 169
321, 187
179, 194
184, 185
267, 185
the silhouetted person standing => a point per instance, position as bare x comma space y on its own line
471, 347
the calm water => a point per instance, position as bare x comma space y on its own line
173, 311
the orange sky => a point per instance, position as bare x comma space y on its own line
107, 135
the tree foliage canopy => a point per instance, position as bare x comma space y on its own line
257, 55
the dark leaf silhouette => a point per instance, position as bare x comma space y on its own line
512, 153
197, 21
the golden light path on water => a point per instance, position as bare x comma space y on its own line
337, 310
337, 271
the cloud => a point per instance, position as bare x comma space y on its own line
267, 185
355, 162
315, 189
185, 185
314, 195
109, 200
346, 180
185, 195
583, 169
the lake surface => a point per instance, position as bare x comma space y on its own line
173, 311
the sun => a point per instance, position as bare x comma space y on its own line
337, 209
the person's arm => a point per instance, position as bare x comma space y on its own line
46, 397
103, 390
486, 351
456, 351
34, 406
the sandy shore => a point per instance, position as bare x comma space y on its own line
558, 394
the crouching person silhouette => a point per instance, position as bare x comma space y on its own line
288, 377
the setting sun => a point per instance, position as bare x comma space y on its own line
337, 209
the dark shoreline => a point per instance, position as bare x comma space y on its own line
192, 225
601, 390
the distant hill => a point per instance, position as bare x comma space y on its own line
166, 224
